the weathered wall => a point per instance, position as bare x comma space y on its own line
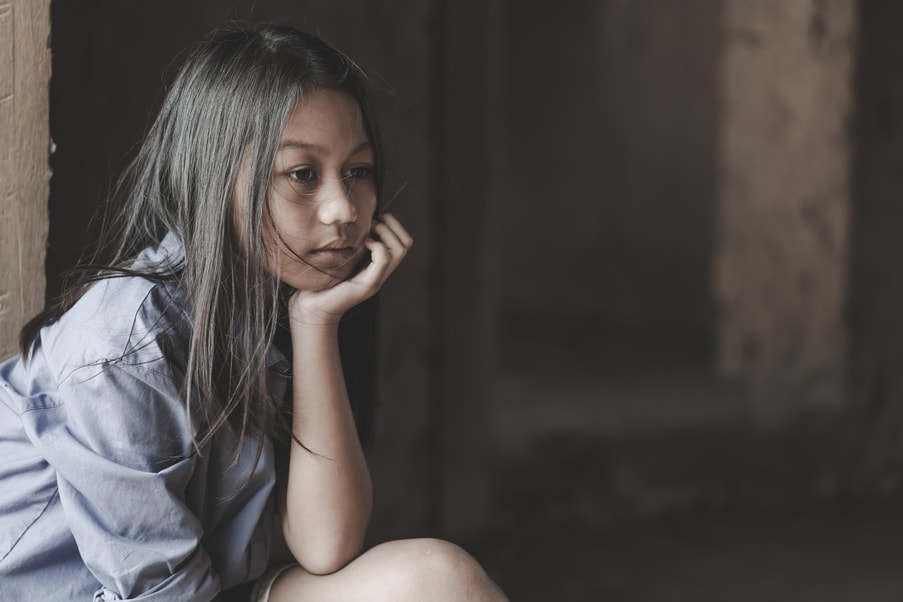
783, 200
611, 110
24, 173
795, 302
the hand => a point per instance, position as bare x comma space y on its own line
388, 244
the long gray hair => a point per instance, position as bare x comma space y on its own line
228, 104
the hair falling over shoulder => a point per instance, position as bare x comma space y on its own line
226, 107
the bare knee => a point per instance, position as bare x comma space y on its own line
434, 569
398, 571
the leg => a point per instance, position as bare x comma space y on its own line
397, 571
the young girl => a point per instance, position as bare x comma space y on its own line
179, 424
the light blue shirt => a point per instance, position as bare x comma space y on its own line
101, 495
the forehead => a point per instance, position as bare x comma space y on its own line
325, 117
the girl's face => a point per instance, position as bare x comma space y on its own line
323, 193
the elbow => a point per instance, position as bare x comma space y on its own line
323, 551
327, 559
324, 542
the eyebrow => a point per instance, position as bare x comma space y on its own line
286, 144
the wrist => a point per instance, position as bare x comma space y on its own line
314, 327
306, 311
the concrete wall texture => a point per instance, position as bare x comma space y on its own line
24, 172
783, 199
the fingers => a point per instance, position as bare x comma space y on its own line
388, 245
394, 238
380, 265
395, 231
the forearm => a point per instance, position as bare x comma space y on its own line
328, 490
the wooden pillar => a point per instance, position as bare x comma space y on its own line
783, 199
24, 171
467, 193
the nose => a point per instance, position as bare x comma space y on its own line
336, 203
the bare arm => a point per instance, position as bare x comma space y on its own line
328, 495
329, 485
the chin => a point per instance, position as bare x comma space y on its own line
305, 277
316, 281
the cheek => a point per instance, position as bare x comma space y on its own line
366, 205
369, 211
292, 220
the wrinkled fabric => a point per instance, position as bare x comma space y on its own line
101, 494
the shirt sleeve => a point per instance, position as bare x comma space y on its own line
119, 439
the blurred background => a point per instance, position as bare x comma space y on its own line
648, 345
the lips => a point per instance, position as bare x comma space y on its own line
338, 244
336, 253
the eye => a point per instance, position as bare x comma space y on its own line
360, 172
305, 175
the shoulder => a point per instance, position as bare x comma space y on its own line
128, 320
107, 376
